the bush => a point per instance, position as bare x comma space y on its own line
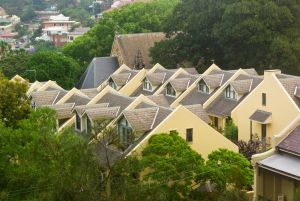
231, 131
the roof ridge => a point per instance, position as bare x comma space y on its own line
154, 119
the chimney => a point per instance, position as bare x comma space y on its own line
269, 73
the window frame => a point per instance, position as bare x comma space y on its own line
189, 135
169, 86
147, 86
205, 88
78, 125
230, 93
112, 84
264, 99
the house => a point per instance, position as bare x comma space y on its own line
78, 31
205, 86
269, 108
58, 21
58, 35
233, 93
124, 78
177, 84
139, 122
107, 104
153, 80
277, 171
98, 71
133, 49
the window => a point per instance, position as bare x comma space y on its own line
88, 125
112, 84
189, 135
171, 91
124, 132
71, 38
202, 87
264, 99
147, 85
230, 93
78, 122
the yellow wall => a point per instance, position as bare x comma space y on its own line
278, 102
205, 138
133, 84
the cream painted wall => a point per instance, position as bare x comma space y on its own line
278, 102
132, 85
205, 138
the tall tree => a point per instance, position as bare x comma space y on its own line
132, 18
14, 105
234, 33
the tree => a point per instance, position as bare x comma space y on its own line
36, 163
55, 66
14, 62
132, 18
166, 171
227, 168
260, 34
248, 149
231, 131
4, 49
14, 104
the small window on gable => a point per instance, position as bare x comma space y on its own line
112, 84
147, 85
202, 87
171, 91
189, 135
264, 99
230, 93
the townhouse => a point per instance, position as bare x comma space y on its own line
277, 171
269, 108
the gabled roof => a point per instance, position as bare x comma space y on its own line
160, 100
91, 93
213, 81
130, 44
97, 72
290, 84
291, 143
191, 71
180, 84
156, 78
78, 99
116, 100
63, 111
199, 111
242, 86
82, 108
145, 119
102, 112
120, 79
223, 106
41, 98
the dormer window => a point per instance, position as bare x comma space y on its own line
112, 84
202, 87
147, 85
170, 91
78, 123
230, 93
124, 131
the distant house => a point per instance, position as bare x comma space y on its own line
79, 31
58, 21
133, 49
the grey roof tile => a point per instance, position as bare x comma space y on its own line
160, 100
290, 83
82, 108
91, 93
63, 111
102, 112
292, 142
78, 99
41, 98
116, 100
199, 111
260, 116
97, 72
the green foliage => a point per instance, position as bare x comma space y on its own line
229, 168
38, 164
259, 34
51, 65
133, 18
248, 149
231, 131
233, 195
4, 49
45, 46
14, 105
